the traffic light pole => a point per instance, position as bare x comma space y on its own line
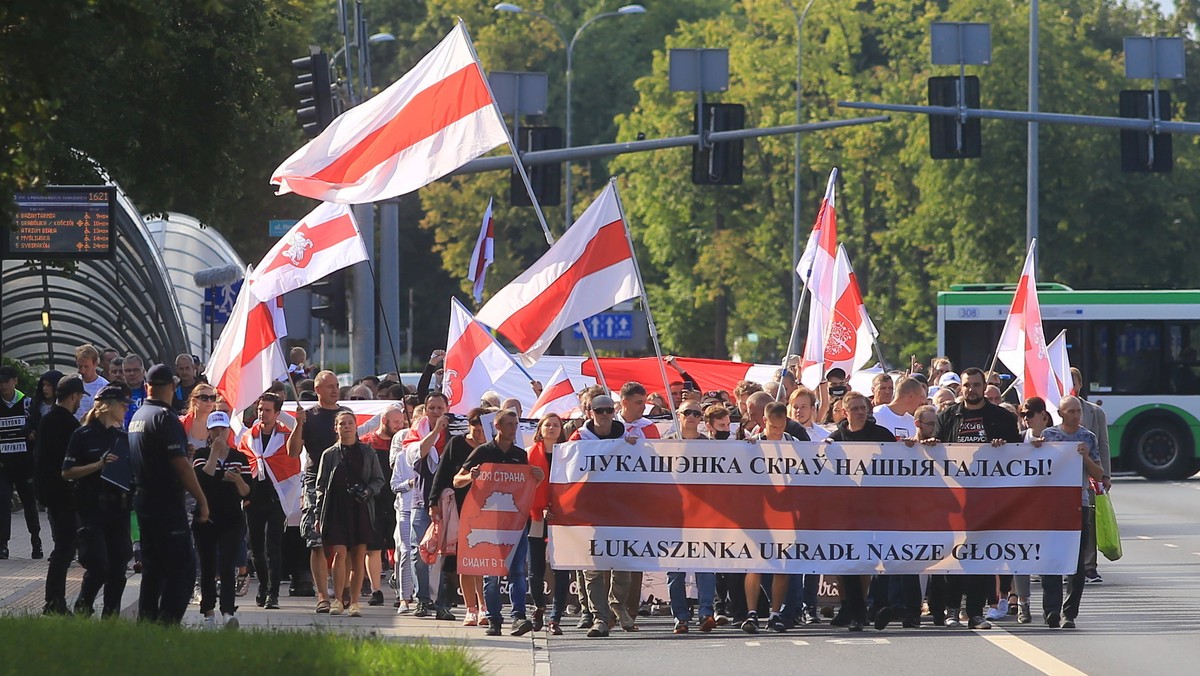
1031, 163
1146, 125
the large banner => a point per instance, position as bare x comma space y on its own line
493, 518
860, 508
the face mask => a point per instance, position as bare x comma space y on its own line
721, 434
837, 391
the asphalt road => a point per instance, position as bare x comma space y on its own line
1141, 619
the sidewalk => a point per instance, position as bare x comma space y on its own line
22, 584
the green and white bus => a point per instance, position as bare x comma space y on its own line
1137, 351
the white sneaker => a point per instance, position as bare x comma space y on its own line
210, 622
405, 608
953, 621
231, 621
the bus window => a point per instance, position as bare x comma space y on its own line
1137, 361
1100, 374
1183, 366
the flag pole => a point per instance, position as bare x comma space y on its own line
795, 328
537, 206
662, 368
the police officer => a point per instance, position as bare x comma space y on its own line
16, 462
54, 433
97, 460
161, 472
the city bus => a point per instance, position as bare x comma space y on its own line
1137, 351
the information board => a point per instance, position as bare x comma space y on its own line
70, 222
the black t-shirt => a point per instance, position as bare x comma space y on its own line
156, 437
54, 434
452, 460
224, 503
320, 433
491, 452
870, 432
88, 445
971, 430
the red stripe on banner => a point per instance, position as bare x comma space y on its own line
814, 508
710, 374
463, 356
427, 113
260, 332
607, 248
323, 236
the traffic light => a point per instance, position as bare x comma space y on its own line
546, 179
719, 163
950, 139
315, 88
329, 300
1142, 152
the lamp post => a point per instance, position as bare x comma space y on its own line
365, 76
800, 17
570, 46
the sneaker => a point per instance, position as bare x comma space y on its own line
1052, 620
3, 553
260, 598
750, 626
539, 615
586, 621
882, 618
404, 608
196, 596
599, 630
911, 623
978, 622
240, 586
493, 629
1068, 623
1023, 615
776, 624
521, 627
554, 628
444, 614
708, 623
354, 610
230, 620
422, 610
376, 598
1092, 577
810, 616
680, 627
336, 607
210, 623
721, 619
952, 621
854, 625
471, 619
35, 542
272, 602
995, 614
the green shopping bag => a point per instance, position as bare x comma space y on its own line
1108, 539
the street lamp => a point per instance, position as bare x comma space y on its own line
800, 17
365, 78
570, 45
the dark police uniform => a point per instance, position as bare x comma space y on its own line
16, 471
102, 510
156, 437
54, 434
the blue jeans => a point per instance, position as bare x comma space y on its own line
706, 589
518, 586
426, 588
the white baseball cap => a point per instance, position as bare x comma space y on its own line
949, 379
218, 419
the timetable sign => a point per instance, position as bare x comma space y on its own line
68, 222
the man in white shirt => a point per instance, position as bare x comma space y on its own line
897, 416
87, 359
802, 405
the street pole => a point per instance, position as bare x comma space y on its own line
1031, 169
793, 344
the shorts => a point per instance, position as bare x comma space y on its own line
308, 517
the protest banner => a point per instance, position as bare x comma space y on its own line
812, 508
493, 518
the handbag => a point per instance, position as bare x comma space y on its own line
1108, 538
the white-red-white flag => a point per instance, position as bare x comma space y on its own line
1060, 364
1022, 346
247, 358
484, 254
558, 396
324, 241
474, 360
848, 339
436, 118
586, 272
816, 269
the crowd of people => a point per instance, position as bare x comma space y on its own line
145, 468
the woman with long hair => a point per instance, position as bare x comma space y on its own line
201, 403
348, 479
97, 460
1034, 419
541, 454
456, 454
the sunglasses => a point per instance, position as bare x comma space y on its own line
358, 398
1029, 414
206, 397
607, 410
692, 413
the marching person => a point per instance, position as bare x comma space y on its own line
541, 454
393, 422
503, 450
54, 435
424, 446
773, 428
224, 475
1035, 419
706, 583
16, 462
348, 478
266, 515
97, 460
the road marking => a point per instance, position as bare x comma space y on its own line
1030, 654
753, 644
1144, 537
1171, 546
858, 641
799, 642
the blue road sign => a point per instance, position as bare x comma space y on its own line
277, 227
608, 326
218, 302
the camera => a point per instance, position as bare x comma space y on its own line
359, 492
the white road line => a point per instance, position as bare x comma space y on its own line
1030, 654
799, 642
753, 644
1171, 546
1144, 537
